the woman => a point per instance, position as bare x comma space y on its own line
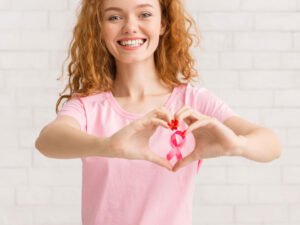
127, 99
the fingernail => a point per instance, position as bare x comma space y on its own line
176, 122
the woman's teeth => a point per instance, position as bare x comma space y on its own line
132, 43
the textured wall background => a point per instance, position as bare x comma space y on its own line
250, 57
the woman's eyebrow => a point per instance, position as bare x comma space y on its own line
119, 9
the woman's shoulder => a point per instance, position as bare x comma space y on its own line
193, 89
95, 97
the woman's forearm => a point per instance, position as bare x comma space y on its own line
261, 145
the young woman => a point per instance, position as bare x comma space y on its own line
130, 82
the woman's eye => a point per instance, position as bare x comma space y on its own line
146, 14
112, 17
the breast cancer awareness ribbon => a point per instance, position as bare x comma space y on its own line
176, 146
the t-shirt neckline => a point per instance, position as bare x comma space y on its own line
130, 115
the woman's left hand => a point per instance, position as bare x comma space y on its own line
212, 138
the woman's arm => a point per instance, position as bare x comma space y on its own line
255, 143
61, 140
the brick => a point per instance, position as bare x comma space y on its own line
6, 95
270, 5
13, 176
266, 60
17, 117
10, 40
295, 214
221, 194
274, 194
34, 20
57, 214
62, 20
39, 5
221, 79
30, 79
5, 4
215, 41
7, 196
16, 216
55, 176
15, 158
236, 60
277, 21
283, 118
296, 41
23, 60
10, 20
264, 174
265, 213
266, 79
56, 59
291, 60
287, 97
66, 196
290, 175
41, 40
45, 96
247, 98
212, 5
215, 21
290, 156
33, 195
212, 214
8, 138
211, 175
207, 60
262, 41
293, 137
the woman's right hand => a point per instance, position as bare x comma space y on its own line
132, 141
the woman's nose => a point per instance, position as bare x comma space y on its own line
130, 25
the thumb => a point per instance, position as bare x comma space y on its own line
152, 157
184, 162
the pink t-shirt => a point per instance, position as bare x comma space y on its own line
119, 191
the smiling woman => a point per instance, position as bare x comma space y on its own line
95, 50
126, 99
132, 24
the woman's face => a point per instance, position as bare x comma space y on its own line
138, 20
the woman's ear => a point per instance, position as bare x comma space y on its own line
163, 26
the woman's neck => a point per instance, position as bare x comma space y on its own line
137, 80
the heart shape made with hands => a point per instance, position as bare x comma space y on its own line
177, 140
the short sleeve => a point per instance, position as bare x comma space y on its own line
211, 105
75, 108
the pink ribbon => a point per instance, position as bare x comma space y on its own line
176, 146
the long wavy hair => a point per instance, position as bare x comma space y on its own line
92, 68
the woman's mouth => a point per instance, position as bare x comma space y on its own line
132, 44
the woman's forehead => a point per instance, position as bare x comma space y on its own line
131, 3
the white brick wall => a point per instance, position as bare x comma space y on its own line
249, 56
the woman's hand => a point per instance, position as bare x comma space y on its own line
132, 141
212, 138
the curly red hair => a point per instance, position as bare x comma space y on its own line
92, 67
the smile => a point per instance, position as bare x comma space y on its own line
132, 44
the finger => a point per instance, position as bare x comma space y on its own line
152, 157
200, 123
159, 122
179, 111
184, 161
188, 115
163, 113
